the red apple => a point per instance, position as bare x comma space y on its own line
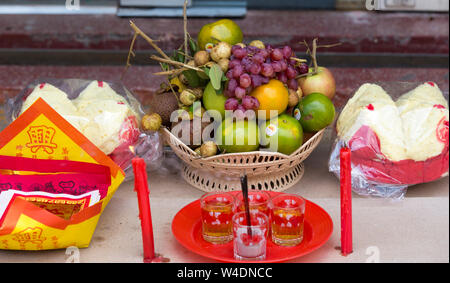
323, 83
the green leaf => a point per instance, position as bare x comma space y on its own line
215, 76
203, 75
180, 57
193, 46
192, 78
177, 56
164, 66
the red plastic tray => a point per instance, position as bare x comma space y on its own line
187, 229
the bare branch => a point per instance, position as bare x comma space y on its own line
174, 93
149, 40
313, 55
185, 30
169, 61
307, 74
329, 45
299, 60
171, 72
130, 53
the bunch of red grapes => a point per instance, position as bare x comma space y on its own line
251, 67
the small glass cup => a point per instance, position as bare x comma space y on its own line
217, 211
288, 215
257, 201
250, 242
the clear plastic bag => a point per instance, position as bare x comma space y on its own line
105, 112
398, 134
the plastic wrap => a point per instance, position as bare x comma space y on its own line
398, 134
105, 112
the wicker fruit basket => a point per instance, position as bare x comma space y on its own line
265, 170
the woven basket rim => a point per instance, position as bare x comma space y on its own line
209, 183
216, 158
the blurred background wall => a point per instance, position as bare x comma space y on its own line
384, 40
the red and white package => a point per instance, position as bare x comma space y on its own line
104, 112
394, 143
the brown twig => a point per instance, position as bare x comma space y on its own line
313, 55
175, 72
299, 60
185, 55
169, 61
329, 45
189, 36
130, 53
307, 74
174, 93
185, 30
308, 51
148, 39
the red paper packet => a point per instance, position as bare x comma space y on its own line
61, 187
53, 176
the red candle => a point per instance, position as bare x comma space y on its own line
346, 201
141, 187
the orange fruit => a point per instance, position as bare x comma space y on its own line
273, 96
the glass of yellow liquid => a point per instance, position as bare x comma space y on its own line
287, 219
217, 211
257, 200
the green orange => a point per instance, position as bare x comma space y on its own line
237, 136
315, 112
283, 134
222, 30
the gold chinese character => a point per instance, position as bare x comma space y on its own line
41, 137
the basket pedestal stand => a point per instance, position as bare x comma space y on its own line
268, 171
208, 181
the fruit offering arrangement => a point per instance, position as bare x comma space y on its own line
233, 97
